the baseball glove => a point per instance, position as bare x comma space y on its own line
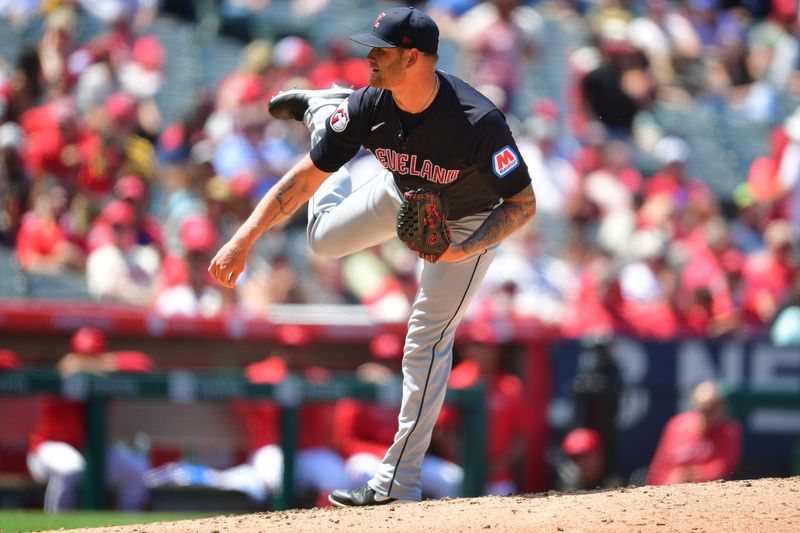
422, 224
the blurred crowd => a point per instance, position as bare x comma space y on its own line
96, 184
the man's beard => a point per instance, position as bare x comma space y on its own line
388, 76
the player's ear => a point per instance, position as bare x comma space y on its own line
413, 56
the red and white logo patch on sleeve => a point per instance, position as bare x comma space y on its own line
504, 161
340, 118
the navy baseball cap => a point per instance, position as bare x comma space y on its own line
402, 27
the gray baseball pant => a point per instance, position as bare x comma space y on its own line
342, 222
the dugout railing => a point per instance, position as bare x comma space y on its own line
188, 387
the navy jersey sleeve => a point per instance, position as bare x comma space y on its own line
497, 156
343, 135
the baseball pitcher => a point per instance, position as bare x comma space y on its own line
453, 188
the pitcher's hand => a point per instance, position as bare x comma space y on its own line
229, 263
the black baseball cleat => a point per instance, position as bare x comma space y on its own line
360, 497
292, 104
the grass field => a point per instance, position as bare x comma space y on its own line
29, 520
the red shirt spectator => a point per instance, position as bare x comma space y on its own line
261, 421
705, 299
261, 418
38, 236
133, 190
62, 420
767, 275
505, 414
364, 427
43, 244
316, 430
100, 161
43, 154
186, 288
680, 191
120, 269
368, 427
699, 445
644, 302
53, 138
586, 310
53, 457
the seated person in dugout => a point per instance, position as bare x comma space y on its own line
54, 455
702, 444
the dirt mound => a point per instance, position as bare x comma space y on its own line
764, 505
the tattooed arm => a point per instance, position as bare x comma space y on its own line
504, 220
282, 200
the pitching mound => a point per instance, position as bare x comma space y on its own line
764, 505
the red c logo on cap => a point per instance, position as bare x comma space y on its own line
378, 20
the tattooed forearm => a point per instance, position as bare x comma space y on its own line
287, 202
282, 200
283, 205
513, 213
